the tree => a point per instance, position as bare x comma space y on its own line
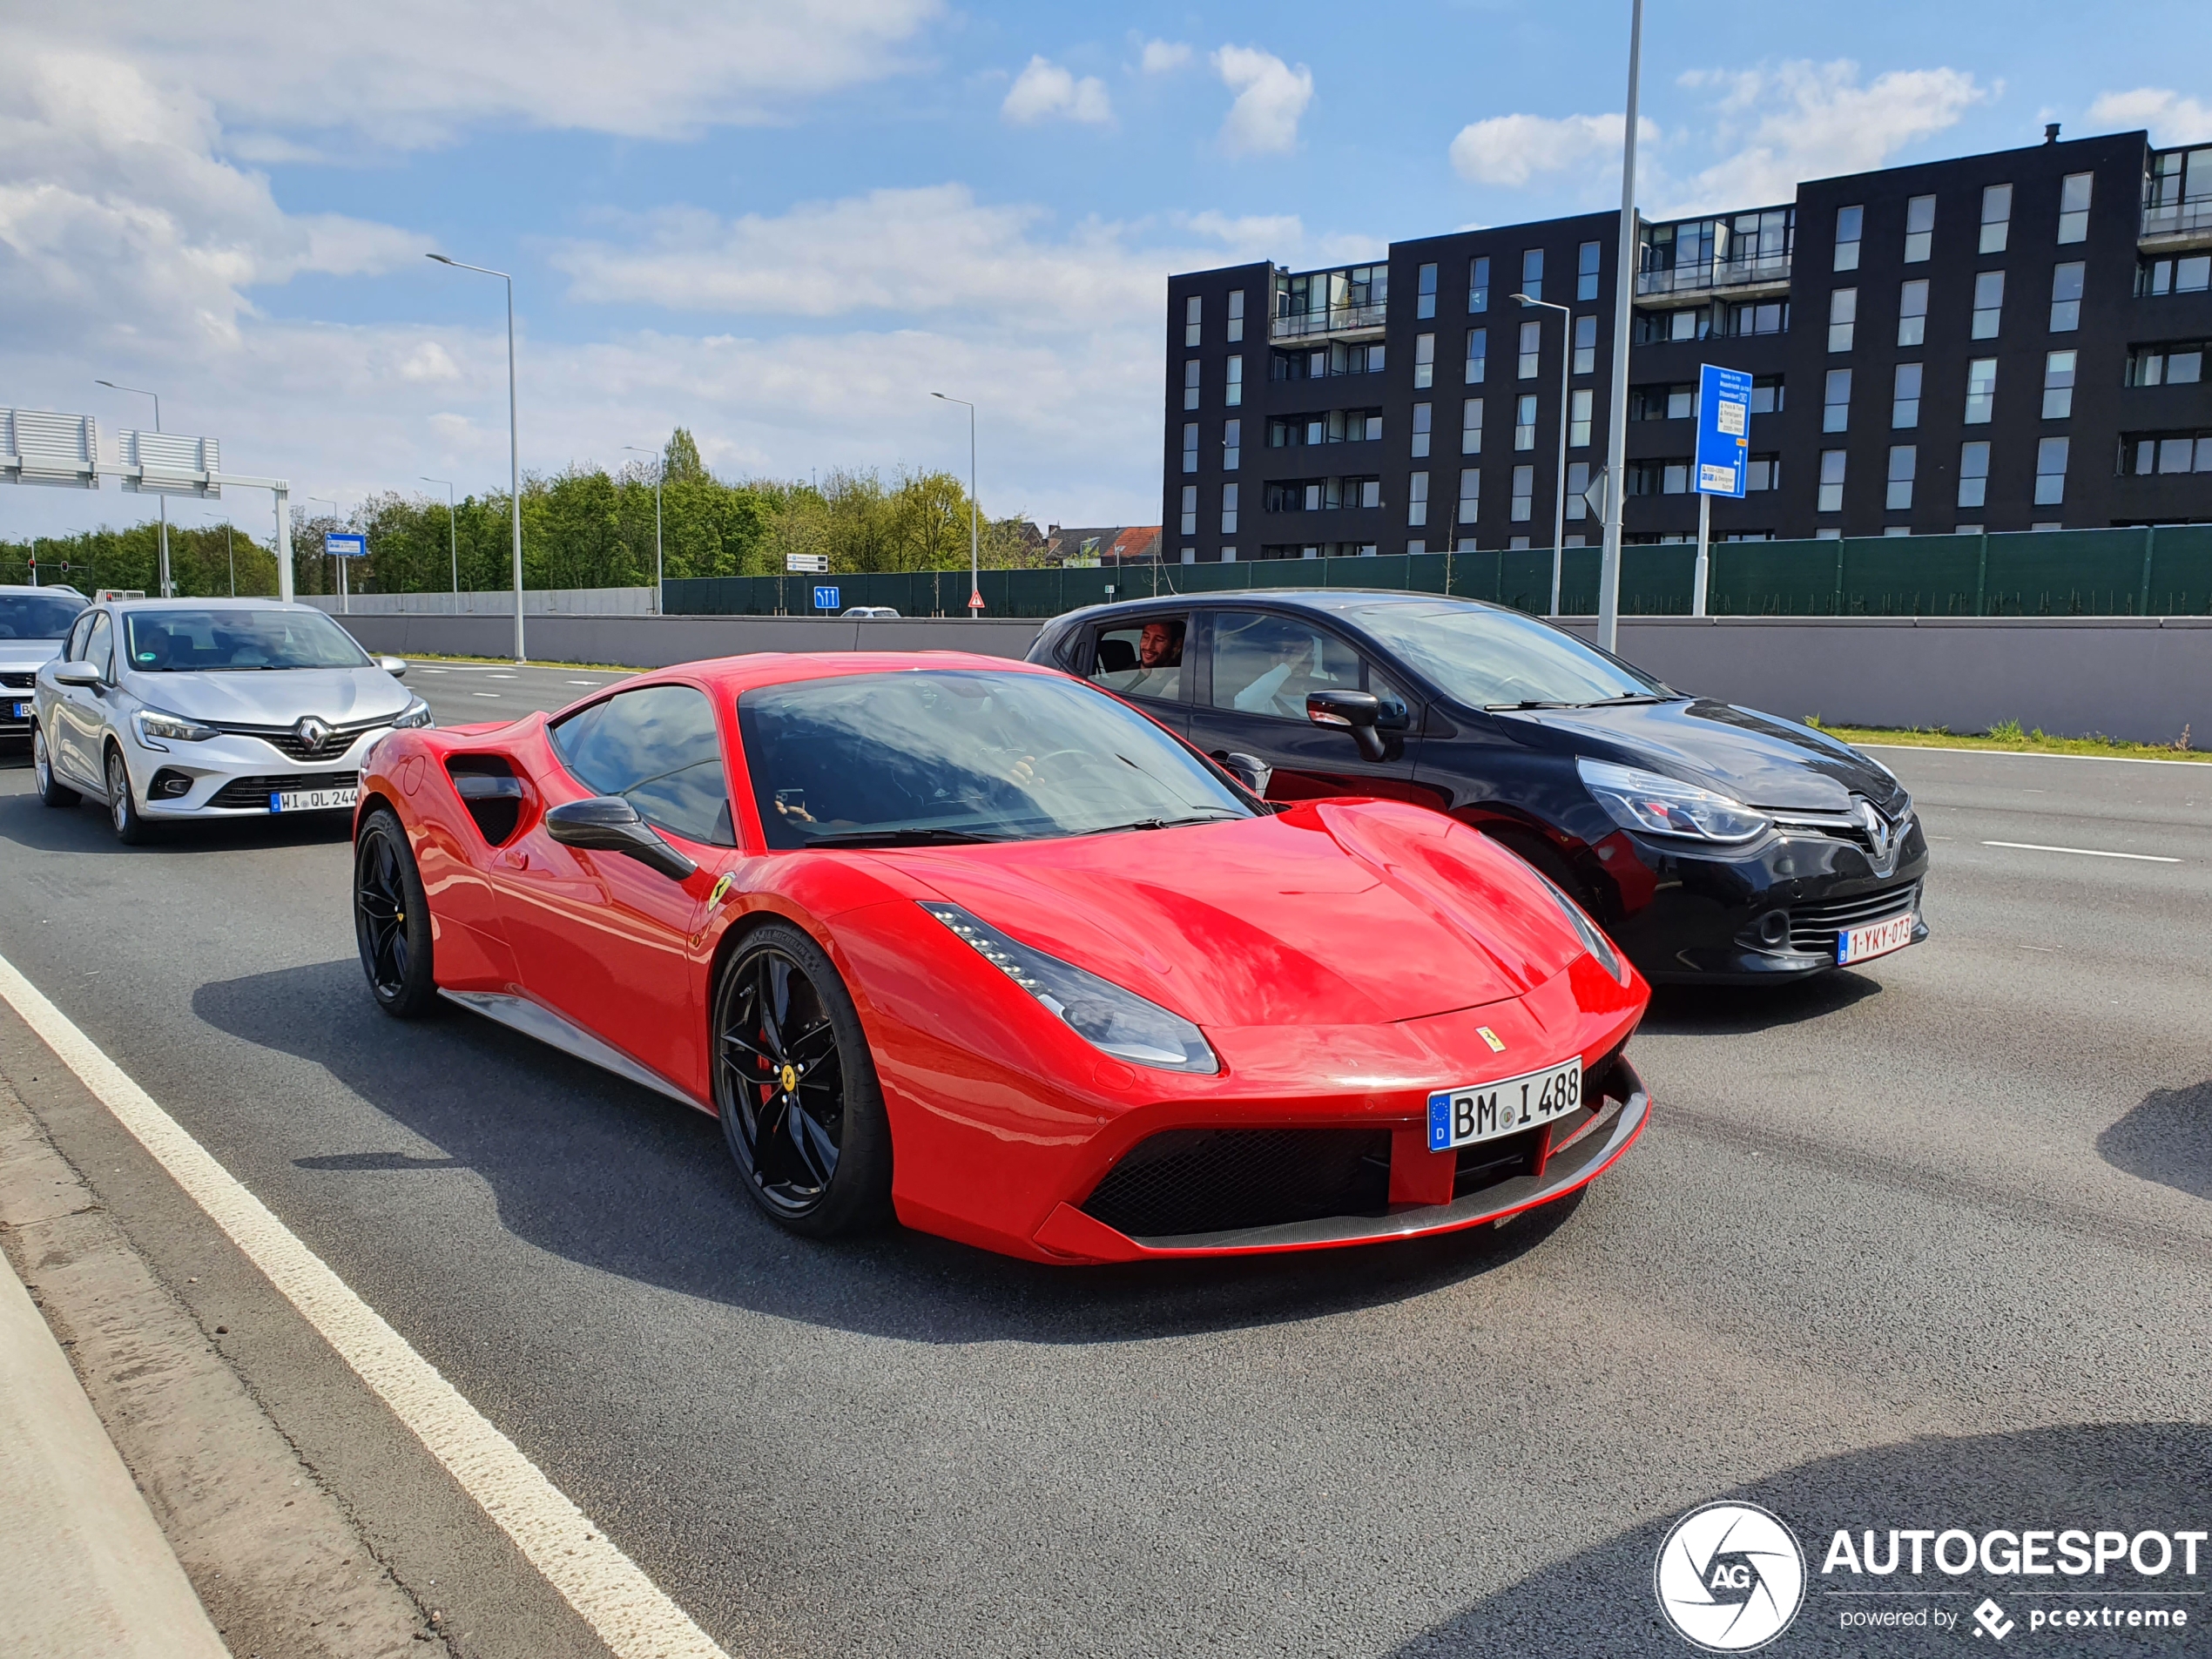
681, 457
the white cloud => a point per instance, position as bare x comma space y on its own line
2172, 117
1163, 56
1271, 97
1510, 149
1044, 89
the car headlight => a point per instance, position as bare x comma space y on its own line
1101, 1012
416, 713
1644, 800
157, 730
1592, 936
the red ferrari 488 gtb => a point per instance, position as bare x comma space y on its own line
980, 946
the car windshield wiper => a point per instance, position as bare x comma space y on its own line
1532, 703
903, 837
1625, 697
1164, 823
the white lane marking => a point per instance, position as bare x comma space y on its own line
489, 694
632, 1613
2084, 851
2025, 754
579, 682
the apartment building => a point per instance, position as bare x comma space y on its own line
2009, 342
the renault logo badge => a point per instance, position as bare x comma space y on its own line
1878, 828
312, 732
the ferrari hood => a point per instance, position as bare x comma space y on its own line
1332, 914
273, 696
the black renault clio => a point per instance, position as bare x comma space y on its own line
1714, 843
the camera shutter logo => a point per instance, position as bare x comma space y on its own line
1729, 1577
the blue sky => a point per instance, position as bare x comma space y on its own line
784, 224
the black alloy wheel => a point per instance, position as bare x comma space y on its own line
51, 790
392, 920
796, 1087
122, 809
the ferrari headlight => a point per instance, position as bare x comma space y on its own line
1592, 936
1102, 1013
157, 730
1644, 800
416, 713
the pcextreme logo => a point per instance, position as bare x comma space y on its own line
1729, 1577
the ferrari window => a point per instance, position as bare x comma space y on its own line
1266, 664
659, 750
187, 642
1141, 659
1489, 658
954, 755
39, 616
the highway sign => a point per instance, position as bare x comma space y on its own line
344, 545
807, 565
826, 598
1723, 430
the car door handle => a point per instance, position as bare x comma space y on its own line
515, 859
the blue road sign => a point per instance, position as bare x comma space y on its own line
1723, 430
346, 545
826, 598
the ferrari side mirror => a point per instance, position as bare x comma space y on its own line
609, 824
1356, 712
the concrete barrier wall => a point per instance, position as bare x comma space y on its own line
2143, 678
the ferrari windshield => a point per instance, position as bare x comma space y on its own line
223, 640
37, 616
1492, 659
954, 755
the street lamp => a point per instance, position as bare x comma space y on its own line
514, 435
452, 535
1559, 491
1624, 276
660, 466
975, 567
164, 499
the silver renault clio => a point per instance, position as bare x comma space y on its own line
211, 708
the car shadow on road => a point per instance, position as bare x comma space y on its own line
620, 1179
28, 822
1742, 1010
2167, 1139
2128, 1477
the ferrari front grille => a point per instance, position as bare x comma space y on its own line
1208, 1180
255, 792
1814, 926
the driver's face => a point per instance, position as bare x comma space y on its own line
1155, 645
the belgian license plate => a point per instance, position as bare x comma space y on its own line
1864, 944
1485, 1111
20, 711
311, 801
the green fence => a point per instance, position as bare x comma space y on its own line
2052, 573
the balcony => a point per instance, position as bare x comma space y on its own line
1712, 278
1337, 322
2172, 225
1735, 255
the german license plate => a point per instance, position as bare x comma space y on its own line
19, 710
311, 801
1485, 1111
1864, 944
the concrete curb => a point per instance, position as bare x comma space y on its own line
88, 1570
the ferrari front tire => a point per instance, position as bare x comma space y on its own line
796, 1087
391, 918
51, 790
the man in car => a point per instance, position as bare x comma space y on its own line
1159, 656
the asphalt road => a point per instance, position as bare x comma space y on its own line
1924, 1244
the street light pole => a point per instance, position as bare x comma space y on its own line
337, 566
514, 436
1559, 491
660, 469
453, 533
975, 565
1624, 276
164, 499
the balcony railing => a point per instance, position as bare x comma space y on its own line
2178, 218
1707, 275
1337, 319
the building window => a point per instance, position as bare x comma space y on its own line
1578, 419
2065, 297
1470, 493
1471, 427
1524, 422
1417, 499
1766, 394
1478, 354
1425, 293
1532, 346
1897, 530
1905, 399
1190, 509
1912, 312
1675, 478
1190, 320
1843, 317
1920, 228
1423, 361
1904, 462
1981, 390
1190, 555
1190, 446
1478, 284
1421, 416
1973, 473
1828, 533
1236, 316
2141, 455
2155, 278
1578, 485
1989, 301
1229, 555
1765, 472
2058, 385
1996, 217
1229, 509
1835, 413
1233, 391
1831, 482
1759, 317
2073, 206
1232, 444
1416, 546
1532, 272
1585, 345
1190, 382
2176, 363
1849, 221
1586, 271
2050, 471
1524, 494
